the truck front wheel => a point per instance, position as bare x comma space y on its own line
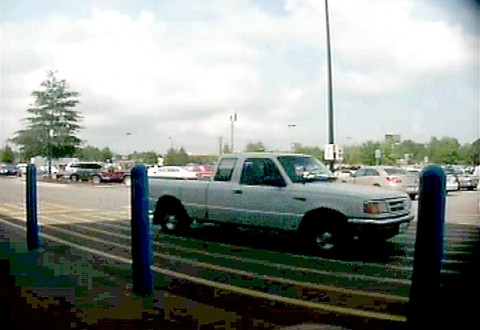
325, 232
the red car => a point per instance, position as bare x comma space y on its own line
203, 171
111, 174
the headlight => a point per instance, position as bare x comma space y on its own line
375, 207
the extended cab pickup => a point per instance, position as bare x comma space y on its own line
289, 192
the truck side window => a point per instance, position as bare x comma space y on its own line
251, 173
225, 169
256, 170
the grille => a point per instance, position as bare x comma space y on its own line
397, 205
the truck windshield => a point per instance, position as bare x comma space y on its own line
302, 169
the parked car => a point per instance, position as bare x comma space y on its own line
203, 171
390, 177
82, 171
451, 180
172, 172
112, 173
43, 170
451, 183
9, 169
466, 180
23, 168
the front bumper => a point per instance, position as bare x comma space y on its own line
380, 228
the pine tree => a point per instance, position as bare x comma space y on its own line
52, 122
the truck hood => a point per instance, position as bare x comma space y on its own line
346, 190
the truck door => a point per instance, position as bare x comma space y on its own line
220, 192
261, 198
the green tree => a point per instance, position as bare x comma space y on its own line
311, 151
7, 155
475, 152
176, 157
352, 154
443, 151
148, 157
90, 153
52, 123
368, 152
465, 154
416, 151
203, 159
255, 147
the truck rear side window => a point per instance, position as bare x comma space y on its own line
225, 169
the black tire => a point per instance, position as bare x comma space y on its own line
325, 233
173, 218
74, 178
413, 196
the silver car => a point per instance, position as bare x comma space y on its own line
390, 177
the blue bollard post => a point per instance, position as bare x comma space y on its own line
33, 240
141, 240
424, 302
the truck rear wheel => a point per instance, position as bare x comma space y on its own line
172, 217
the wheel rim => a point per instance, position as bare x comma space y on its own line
96, 179
171, 222
127, 180
325, 240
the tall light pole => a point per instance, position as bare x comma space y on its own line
330, 93
233, 119
291, 126
128, 134
171, 143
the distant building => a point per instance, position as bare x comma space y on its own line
393, 138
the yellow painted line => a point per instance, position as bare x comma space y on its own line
13, 206
277, 265
296, 268
238, 290
108, 216
241, 272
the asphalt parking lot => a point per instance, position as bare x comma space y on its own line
87, 253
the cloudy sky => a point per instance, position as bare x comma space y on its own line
171, 72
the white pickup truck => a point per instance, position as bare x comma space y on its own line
289, 192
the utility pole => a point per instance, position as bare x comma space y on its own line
233, 119
330, 93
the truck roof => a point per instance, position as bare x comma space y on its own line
261, 154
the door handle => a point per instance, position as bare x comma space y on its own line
237, 191
301, 199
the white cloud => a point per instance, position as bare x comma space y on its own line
187, 67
